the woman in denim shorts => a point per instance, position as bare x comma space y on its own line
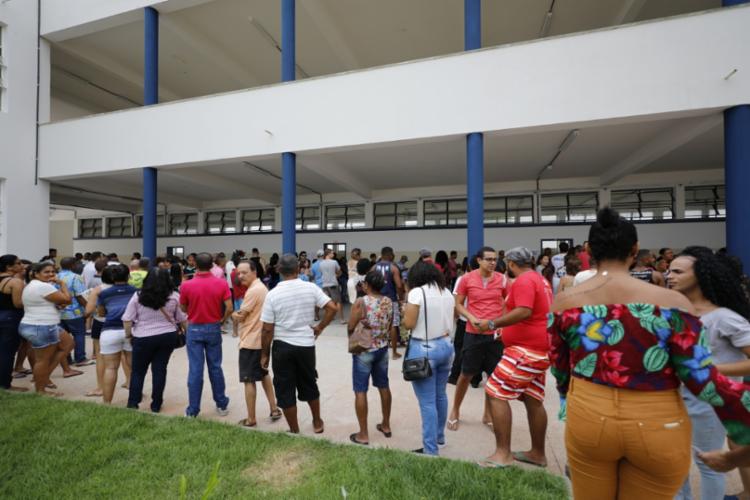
41, 320
376, 312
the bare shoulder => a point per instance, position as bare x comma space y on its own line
669, 298
564, 300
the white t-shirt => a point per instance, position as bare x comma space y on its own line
583, 276
228, 268
440, 309
89, 271
37, 309
290, 306
466, 302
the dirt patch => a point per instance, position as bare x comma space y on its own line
281, 470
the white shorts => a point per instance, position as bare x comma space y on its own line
114, 342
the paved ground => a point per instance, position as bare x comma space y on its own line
472, 441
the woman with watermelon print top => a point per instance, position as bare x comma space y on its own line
620, 350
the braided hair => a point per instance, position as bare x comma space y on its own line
719, 279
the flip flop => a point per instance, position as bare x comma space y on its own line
245, 423
93, 394
19, 375
452, 425
353, 439
74, 374
88, 362
489, 464
521, 456
379, 427
276, 415
51, 386
321, 431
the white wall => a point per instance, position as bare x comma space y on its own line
654, 236
654, 69
25, 206
59, 237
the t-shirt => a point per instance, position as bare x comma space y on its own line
585, 261
316, 275
250, 329
455, 292
37, 309
217, 271
149, 322
75, 287
115, 301
89, 271
583, 276
558, 261
532, 291
728, 333
485, 301
229, 267
328, 269
291, 308
238, 290
204, 296
136, 278
440, 309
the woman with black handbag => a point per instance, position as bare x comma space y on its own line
429, 353
155, 324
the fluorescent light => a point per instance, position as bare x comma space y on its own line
569, 140
546, 25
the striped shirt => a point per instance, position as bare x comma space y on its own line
291, 308
148, 322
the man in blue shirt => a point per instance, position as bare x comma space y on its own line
72, 318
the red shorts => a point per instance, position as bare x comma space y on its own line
520, 371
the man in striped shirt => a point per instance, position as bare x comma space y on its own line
287, 316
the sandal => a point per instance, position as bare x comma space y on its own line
522, 457
245, 423
452, 425
379, 427
73, 373
489, 464
19, 374
353, 439
276, 415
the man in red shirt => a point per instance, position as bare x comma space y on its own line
583, 256
521, 371
484, 292
208, 303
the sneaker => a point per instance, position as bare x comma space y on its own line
223, 412
85, 362
187, 415
443, 444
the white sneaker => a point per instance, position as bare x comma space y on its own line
223, 412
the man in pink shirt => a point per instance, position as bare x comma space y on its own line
484, 292
208, 303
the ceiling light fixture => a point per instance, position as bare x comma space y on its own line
547, 21
564, 145
272, 41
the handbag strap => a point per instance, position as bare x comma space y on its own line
426, 331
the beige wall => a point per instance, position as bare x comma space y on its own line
61, 237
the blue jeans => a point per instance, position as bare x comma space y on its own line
204, 342
708, 435
77, 328
373, 363
433, 400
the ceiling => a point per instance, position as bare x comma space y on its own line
227, 45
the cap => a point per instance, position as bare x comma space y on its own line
520, 255
319, 253
425, 252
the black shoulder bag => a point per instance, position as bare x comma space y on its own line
418, 368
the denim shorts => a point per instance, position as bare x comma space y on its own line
40, 336
373, 363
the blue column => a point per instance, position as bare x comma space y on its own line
737, 175
474, 142
289, 160
150, 96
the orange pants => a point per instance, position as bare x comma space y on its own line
624, 444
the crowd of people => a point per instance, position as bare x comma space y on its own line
649, 353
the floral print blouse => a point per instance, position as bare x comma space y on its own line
645, 347
379, 318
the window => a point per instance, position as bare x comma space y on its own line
569, 207
338, 248
345, 217
401, 214
705, 202
118, 227
308, 218
445, 212
159, 225
509, 210
644, 204
221, 222
258, 220
90, 228
183, 223
3, 70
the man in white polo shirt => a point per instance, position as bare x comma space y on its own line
288, 314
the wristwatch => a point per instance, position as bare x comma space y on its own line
491, 324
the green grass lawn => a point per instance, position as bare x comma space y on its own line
63, 449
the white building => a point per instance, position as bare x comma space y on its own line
581, 104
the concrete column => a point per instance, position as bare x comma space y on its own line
288, 160
150, 96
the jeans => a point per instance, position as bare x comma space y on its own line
433, 400
204, 342
9, 341
77, 328
370, 363
155, 351
708, 435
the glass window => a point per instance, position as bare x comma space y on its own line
258, 220
345, 216
159, 225
221, 222
118, 227
569, 207
308, 218
183, 223
445, 212
509, 210
90, 228
644, 204
705, 202
399, 214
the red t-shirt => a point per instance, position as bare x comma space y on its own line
204, 296
584, 258
238, 289
483, 301
532, 291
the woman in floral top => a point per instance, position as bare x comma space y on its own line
620, 349
376, 312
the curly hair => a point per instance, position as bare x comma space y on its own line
611, 237
425, 273
719, 279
